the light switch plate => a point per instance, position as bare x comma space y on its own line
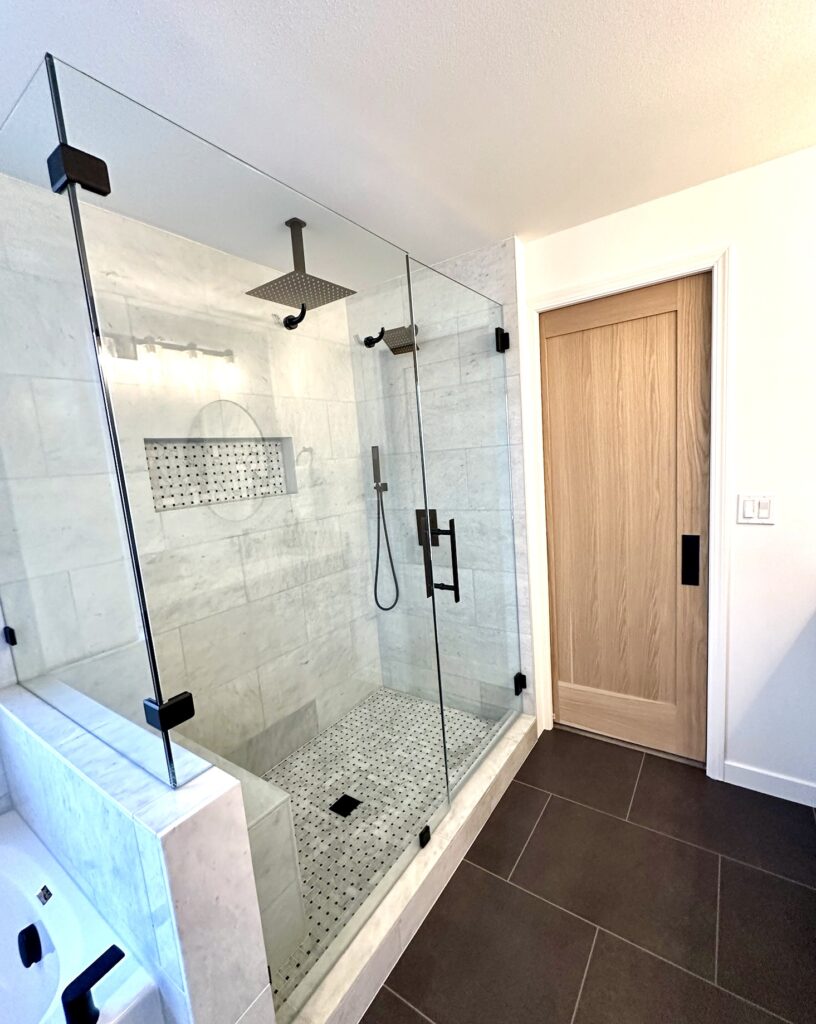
755, 509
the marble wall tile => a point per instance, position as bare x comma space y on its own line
488, 478
262, 751
20, 448
334, 600
48, 542
45, 330
73, 429
193, 582
105, 601
227, 712
242, 638
43, 613
276, 560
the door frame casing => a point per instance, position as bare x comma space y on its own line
716, 261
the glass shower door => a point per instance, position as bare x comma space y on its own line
468, 554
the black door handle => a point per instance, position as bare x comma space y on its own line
450, 532
690, 560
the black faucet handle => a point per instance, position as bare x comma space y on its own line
29, 945
77, 999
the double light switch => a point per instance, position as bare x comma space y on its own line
756, 509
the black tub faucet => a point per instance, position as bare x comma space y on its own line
77, 999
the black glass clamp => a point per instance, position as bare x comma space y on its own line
170, 713
70, 166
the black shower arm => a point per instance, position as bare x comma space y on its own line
370, 341
290, 322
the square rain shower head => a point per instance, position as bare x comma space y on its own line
400, 340
297, 289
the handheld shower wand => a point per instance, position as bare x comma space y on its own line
382, 528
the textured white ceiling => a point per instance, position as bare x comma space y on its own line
446, 126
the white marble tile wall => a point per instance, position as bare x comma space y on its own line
238, 593
469, 402
65, 585
170, 870
261, 607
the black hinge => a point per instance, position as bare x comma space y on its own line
70, 166
519, 683
171, 713
9, 636
502, 340
425, 836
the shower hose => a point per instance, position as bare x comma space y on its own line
382, 527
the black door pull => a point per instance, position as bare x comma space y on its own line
690, 560
428, 534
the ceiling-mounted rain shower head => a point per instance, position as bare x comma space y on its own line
297, 288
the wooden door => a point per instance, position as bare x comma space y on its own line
626, 387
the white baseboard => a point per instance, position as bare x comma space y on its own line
784, 786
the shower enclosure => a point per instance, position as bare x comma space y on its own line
209, 456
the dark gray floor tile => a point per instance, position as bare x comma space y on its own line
627, 986
489, 952
592, 772
388, 1009
768, 941
506, 831
652, 890
762, 830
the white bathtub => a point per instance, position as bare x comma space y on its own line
72, 934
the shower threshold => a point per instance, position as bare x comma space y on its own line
387, 754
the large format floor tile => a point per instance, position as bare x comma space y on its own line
489, 952
768, 941
624, 985
498, 845
762, 830
652, 890
592, 772
389, 1009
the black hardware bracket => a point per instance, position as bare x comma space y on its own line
171, 713
690, 560
290, 322
422, 528
519, 683
10, 636
372, 340
425, 836
502, 339
68, 165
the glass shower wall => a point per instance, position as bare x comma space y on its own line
67, 588
246, 448
469, 573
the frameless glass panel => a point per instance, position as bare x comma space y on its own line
471, 578
66, 581
247, 444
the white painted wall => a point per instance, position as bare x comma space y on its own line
766, 218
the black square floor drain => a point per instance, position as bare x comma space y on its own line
345, 805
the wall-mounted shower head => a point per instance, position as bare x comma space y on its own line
297, 288
399, 339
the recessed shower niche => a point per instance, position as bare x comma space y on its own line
208, 471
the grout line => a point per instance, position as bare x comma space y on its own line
629, 942
717, 926
677, 839
584, 977
637, 780
402, 999
529, 837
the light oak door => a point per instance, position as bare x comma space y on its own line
626, 388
